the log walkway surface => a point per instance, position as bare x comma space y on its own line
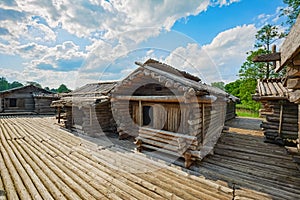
39, 160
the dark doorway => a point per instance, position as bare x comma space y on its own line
147, 115
12, 102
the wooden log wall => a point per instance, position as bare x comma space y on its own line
90, 120
298, 140
98, 120
153, 90
282, 124
213, 126
127, 123
230, 111
197, 121
77, 118
105, 117
69, 117
42, 106
25, 103
172, 117
266, 109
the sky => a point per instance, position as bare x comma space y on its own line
75, 42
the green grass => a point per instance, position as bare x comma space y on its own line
247, 113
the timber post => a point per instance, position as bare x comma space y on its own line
298, 145
58, 110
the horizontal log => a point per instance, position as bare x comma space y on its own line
194, 128
267, 57
284, 119
173, 141
168, 133
169, 147
276, 127
163, 142
167, 137
194, 122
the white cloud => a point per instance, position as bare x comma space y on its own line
226, 2
54, 57
46, 77
88, 18
218, 61
30, 30
273, 18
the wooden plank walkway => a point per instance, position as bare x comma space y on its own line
38, 160
242, 159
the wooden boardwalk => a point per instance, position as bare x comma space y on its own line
245, 161
40, 161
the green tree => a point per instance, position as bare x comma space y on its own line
220, 85
15, 84
243, 89
33, 83
4, 85
53, 90
291, 12
265, 37
234, 88
256, 70
63, 88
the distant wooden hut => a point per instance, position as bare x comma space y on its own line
87, 109
231, 107
281, 125
169, 110
27, 99
289, 57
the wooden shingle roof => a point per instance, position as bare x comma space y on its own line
167, 68
34, 88
173, 78
269, 89
86, 95
93, 89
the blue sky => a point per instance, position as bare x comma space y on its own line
84, 41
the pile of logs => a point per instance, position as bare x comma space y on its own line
168, 142
281, 125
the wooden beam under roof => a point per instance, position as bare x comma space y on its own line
267, 57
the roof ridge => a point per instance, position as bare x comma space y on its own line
170, 69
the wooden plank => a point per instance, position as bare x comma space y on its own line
263, 90
168, 137
291, 45
272, 88
267, 57
140, 113
293, 83
168, 133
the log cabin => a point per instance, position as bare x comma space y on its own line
231, 107
169, 111
87, 110
27, 99
281, 115
288, 58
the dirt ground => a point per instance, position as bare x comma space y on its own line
245, 125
